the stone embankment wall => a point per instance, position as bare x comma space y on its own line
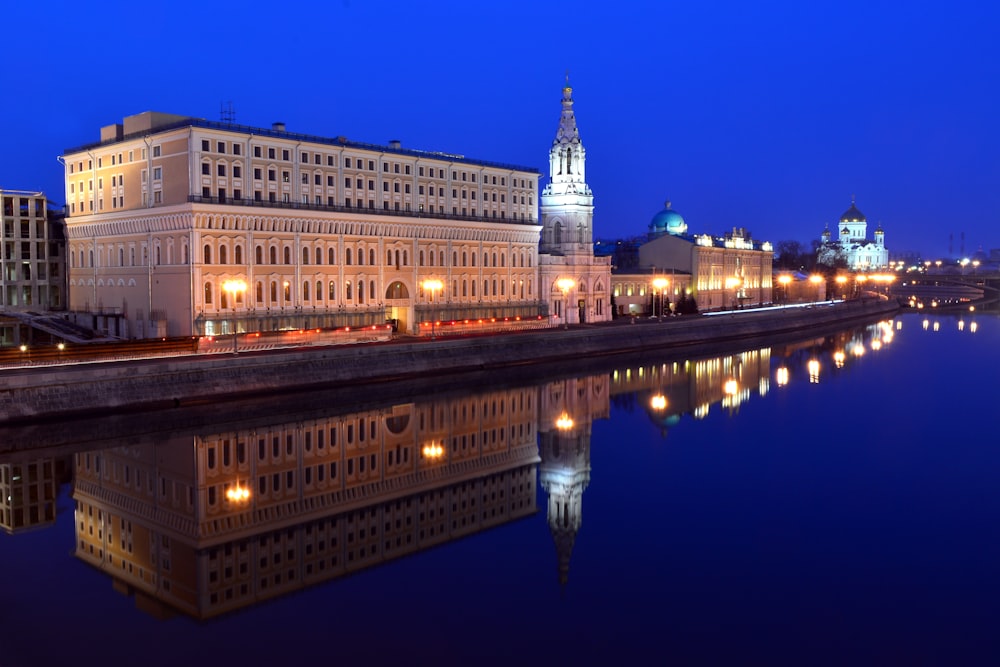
86, 389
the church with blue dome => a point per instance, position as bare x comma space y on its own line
667, 221
731, 270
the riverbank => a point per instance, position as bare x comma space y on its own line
35, 394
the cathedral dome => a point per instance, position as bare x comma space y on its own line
853, 214
668, 221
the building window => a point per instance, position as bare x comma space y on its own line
208, 293
208, 254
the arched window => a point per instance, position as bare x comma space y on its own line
91, 258
465, 288
319, 256
494, 259
397, 259
319, 290
305, 291
361, 291
273, 255
464, 259
223, 255
223, 300
420, 258
184, 254
260, 292
288, 255
208, 293
557, 232
503, 260
494, 288
332, 295
157, 255
454, 258
121, 256
371, 290
388, 258
288, 292
503, 287
473, 259
305, 256
258, 255
208, 254
347, 257
371, 256
347, 291
361, 256
406, 258
486, 288
474, 287
274, 291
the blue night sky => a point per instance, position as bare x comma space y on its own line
763, 115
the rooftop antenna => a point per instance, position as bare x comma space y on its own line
227, 114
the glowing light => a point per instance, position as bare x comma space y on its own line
658, 402
937, 326
433, 450
731, 387
564, 422
972, 327
838, 358
813, 367
961, 325
781, 376
876, 344
784, 279
237, 494
815, 279
858, 350
926, 324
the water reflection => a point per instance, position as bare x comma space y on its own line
211, 519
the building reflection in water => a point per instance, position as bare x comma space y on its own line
208, 521
209, 524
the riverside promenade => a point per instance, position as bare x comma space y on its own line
91, 389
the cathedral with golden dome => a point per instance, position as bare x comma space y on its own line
852, 244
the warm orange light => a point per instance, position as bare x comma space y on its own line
658, 402
815, 279
564, 422
237, 494
731, 387
565, 284
784, 279
433, 451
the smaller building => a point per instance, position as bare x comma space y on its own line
728, 271
852, 249
32, 264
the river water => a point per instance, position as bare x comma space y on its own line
832, 500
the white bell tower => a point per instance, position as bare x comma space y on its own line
567, 202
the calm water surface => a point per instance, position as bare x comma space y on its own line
828, 501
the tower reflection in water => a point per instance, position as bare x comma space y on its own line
212, 521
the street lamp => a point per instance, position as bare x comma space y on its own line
564, 284
733, 284
659, 284
432, 285
235, 289
784, 280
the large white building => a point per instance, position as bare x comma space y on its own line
852, 244
183, 226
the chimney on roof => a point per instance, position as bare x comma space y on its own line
278, 126
395, 144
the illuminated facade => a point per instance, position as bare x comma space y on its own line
184, 226
852, 245
577, 284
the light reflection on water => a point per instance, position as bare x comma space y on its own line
747, 507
